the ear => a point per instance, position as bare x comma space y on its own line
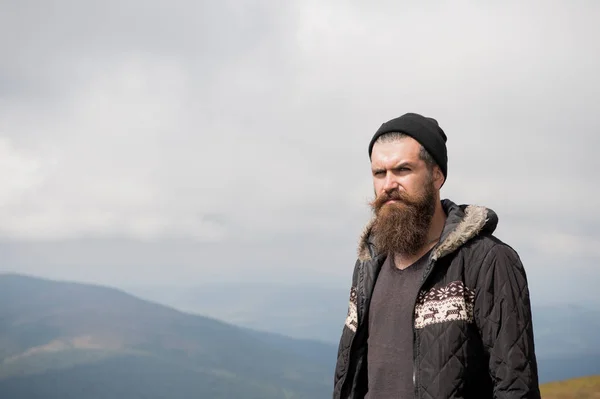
438, 177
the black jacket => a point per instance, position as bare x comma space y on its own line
473, 335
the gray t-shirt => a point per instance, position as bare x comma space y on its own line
390, 343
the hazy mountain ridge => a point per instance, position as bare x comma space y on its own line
318, 312
296, 310
66, 329
565, 334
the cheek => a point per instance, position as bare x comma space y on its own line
411, 186
378, 185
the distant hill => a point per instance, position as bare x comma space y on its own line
60, 340
576, 388
296, 310
565, 335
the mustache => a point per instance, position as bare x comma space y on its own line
386, 196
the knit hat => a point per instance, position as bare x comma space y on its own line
424, 130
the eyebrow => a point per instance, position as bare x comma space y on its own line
404, 164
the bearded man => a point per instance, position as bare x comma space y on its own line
439, 307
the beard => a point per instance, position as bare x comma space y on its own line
402, 227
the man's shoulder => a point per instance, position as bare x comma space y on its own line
487, 251
489, 244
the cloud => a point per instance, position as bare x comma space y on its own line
103, 157
227, 125
20, 173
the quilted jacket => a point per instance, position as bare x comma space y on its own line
473, 335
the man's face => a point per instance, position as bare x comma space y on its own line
406, 192
397, 166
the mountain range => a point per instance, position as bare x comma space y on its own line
63, 340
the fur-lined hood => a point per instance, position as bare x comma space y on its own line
462, 224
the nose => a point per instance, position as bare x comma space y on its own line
390, 183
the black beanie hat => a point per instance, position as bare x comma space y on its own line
423, 129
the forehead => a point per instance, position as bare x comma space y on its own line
405, 149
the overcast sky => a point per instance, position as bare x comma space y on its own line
178, 142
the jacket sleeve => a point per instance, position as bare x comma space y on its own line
503, 314
347, 333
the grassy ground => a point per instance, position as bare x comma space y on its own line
576, 388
